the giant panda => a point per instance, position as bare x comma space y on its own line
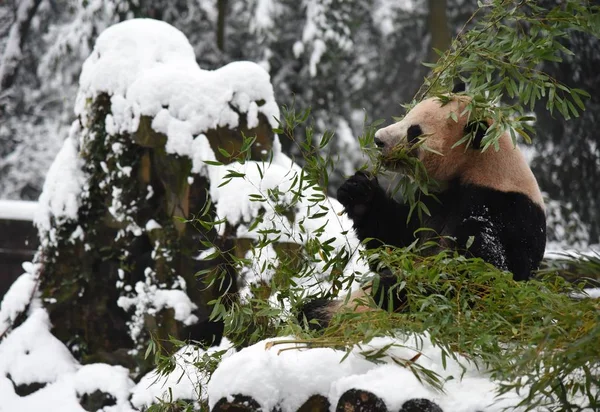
489, 196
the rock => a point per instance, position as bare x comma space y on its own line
420, 405
356, 400
96, 400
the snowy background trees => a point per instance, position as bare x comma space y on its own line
344, 60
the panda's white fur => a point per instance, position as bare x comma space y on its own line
505, 170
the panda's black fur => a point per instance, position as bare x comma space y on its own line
490, 197
508, 229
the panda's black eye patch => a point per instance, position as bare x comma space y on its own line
413, 133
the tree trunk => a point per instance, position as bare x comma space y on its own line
84, 279
438, 27
222, 10
9, 65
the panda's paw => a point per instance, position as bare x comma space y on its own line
357, 193
317, 313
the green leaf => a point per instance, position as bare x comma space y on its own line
224, 152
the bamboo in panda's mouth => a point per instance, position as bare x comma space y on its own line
401, 158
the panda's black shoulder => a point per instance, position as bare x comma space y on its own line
510, 224
506, 206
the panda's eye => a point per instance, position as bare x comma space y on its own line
413, 133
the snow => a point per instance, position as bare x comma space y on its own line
148, 298
281, 375
593, 293
105, 378
565, 227
276, 182
347, 143
264, 261
124, 51
385, 11
265, 12
319, 49
555, 250
186, 381
286, 375
149, 69
152, 225
17, 210
60, 200
234, 201
17, 298
298, 49
31, 354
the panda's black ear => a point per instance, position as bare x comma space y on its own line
478, 129
459, 87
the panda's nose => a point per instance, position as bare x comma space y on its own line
378, 142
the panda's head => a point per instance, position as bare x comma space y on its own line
430, 132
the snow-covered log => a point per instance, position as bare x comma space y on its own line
283, 374
353, 400
316, 403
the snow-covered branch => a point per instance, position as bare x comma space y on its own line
11, 57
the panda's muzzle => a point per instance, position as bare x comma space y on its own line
398, 144
385, 141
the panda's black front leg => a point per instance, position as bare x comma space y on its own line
377, 216
357, 193
374, 214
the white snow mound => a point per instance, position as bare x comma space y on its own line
285, 376
186, 381
148, 68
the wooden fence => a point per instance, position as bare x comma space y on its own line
18, 240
